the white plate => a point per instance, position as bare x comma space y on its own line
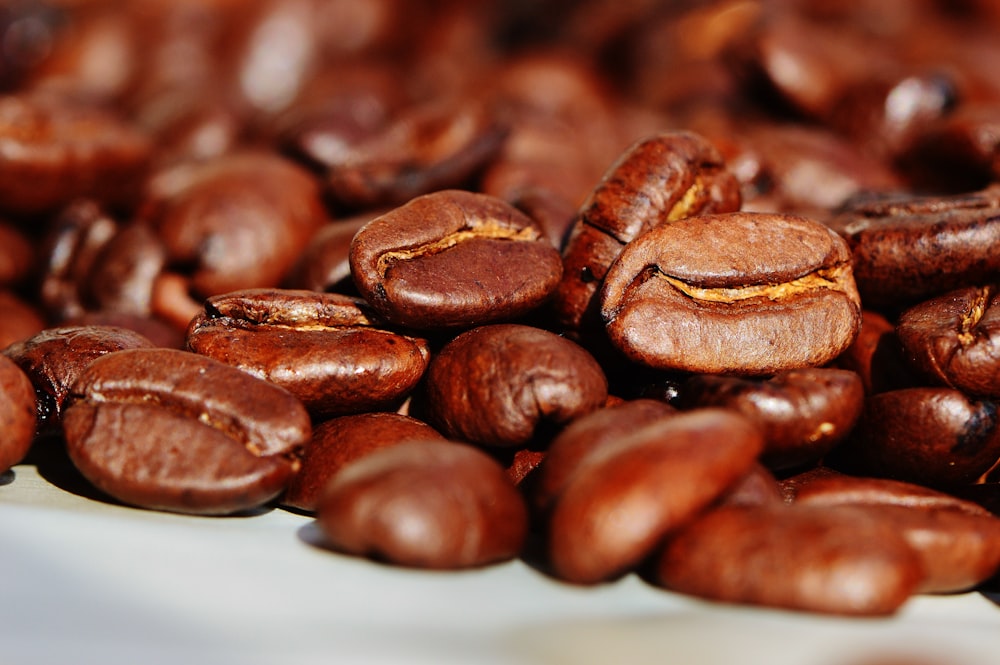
84, 581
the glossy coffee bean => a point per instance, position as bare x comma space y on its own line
453, 259
955, 339
326, 349
17, 414
738, 293
426, 504
624, 499
171, 430
324, 264
833, 560
656, 181
804, 413
498, 385
908, 248
55, 357
339, 441
937, 437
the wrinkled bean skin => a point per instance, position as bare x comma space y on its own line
55, 357
171, 430
17, 414
425, 504
339, 441
656, 181
804, 413
453, 259
740, 293
954, 339
937, 437
623, 499
831, 560
497, 385
326, 349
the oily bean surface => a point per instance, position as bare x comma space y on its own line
326, 349
453, 259
171, 430
17, 414
497, 385
426, 504
741, 293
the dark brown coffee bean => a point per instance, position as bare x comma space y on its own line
452, 259
171, 430
586, 436
818, 559
955, 339
625, 498
937, 437
656, 181
55, 357
804, 413
877, 356
324, 264
738, 293
124, 272
498, 385
57, 151
339, 441
426, 504
324, 348
909, 248
235, 222
17, 414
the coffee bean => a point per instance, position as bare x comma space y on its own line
737, 293
171, 430
453, 259
17, 414
426, 504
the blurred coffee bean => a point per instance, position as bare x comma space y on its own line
17, 414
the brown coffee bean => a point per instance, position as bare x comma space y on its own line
453, 259
738, 293
955, 339
17, 255
908, 248
339, 441
625, 498
55, 357
58, 150
324, 348
758, 486
803, 413
426, 504
656, 181
235, 222
833, 560
171, 430
17, 414
324, 264
20, 320
937, 437
498, 385
877, 356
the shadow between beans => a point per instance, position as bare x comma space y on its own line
7, 477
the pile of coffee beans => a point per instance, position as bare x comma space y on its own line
700, 291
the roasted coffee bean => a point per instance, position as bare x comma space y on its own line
339, 441
908, 248
804, 413
625, 498
17, 255
834, 560
738, 293
453, 259
955, 339
171, 430
937, 437
235, 222
758, 486
17, 414
498, 385
324, 348
426, 504
877, 356
55, 357
58, 150
587, 436
20, 320
124, 272
656, 181
324, 264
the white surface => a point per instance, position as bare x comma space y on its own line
85, 581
